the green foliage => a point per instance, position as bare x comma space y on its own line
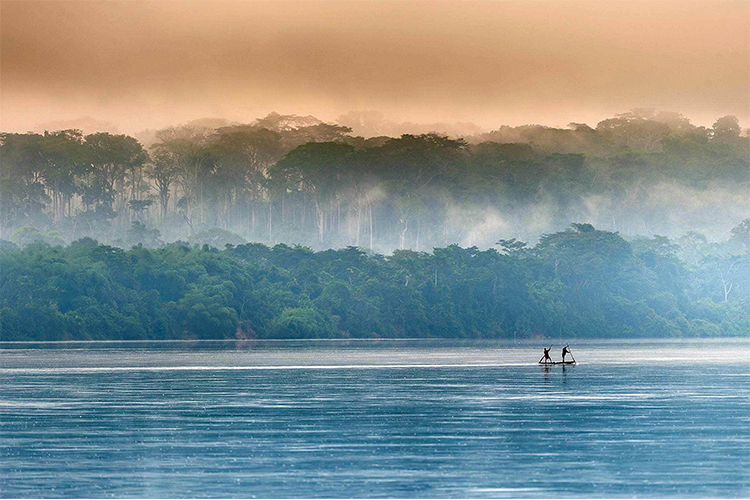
300, 323
295, 179
216, 237
7, 246
202, 313
578, 283
727, 128
25, 235
140, 234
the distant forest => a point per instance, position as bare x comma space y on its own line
296, 180
517, 233
578, 283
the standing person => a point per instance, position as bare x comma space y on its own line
545, 358
565, 352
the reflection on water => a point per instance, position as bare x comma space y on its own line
358, 419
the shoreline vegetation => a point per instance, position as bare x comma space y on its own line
575, 284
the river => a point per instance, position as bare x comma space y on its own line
374, 419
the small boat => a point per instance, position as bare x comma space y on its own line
558, 363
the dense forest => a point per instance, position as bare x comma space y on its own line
420, 235
577, 283
296, 180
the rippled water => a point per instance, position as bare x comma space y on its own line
374, 419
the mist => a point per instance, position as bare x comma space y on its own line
298, 180
315, 248
459, 122
152, 64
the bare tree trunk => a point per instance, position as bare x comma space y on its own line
270, 220
359, 222
321, 221
372, 226
725, 281
727, 290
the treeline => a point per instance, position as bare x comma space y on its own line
301, 181
577, 283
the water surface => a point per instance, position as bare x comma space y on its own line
374, 419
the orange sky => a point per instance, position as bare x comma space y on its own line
152, 63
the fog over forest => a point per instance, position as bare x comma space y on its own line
298, 180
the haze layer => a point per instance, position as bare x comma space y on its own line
152, 63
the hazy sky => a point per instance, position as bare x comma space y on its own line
151, 63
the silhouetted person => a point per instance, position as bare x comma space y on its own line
565, 352
546, 357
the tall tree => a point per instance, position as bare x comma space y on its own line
189, 149
64, 157
22, 194
243, 156
163, 171
727, 128
110, 157
317, 169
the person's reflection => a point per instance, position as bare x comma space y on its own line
546, 374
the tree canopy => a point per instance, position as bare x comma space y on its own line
297, 180
578, 283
